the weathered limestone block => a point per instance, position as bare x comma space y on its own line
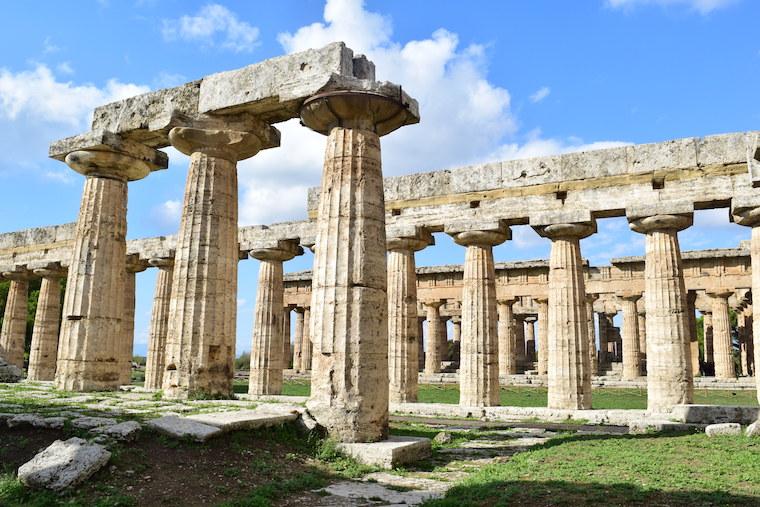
479, 364
435, 329
155, 363
93, 308
543, 335
13, 333
267, 361
123, 431
753, 430
202, 310
44, 347
507, 347
714, 430
403, 348
63, 464
630, 334
723, 348
669, 376
181, 427
569, 377
349, 303
9, 373
390, 453
127, 343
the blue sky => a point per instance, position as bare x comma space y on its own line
495, 80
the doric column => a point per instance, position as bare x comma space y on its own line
543, 335
592, 357
669, 377
643, 333
707, 335
751, 364
530, 339
298, 339
456, 338
691, 298
507, 348
519, 334
89, 350
630, 335
479, 364
266, 345
602, 359
155, 363
746, 212
723, 348
44, 349
569, 376
420, 343
202, 313
444, 337
287, 355
13, 333
307, 343
433, 339
612, 336
349, 301
127, 343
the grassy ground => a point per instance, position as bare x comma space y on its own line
575, 470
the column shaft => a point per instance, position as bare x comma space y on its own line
403, 349
298, 340
266, 349
724, 351
432, 340
630, 335
286, 353
13, 333
307, 344
543, 336
127, 342
159, 323
44, 349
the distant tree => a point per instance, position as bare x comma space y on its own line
243, 361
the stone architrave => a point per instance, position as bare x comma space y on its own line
630, 335
479, 364
93, 306
432, 340
13, 333
126, 346
748, 214
592, 357
507, 348
155, 363
200, 341
569, 377
456, 338
691, 298
669, 375
723, 348
349, 299
298, 339
707, 334
267, 361
44, 348
403, 326
542, 364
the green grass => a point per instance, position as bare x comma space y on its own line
574, 470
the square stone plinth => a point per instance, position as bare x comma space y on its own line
244, 419
388, 453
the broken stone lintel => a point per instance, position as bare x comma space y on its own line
110, 142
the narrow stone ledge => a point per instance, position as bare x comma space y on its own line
388, 453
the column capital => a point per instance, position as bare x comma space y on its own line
17, 274
575, 230
722, 293
479, 234
432, 304
661, 222
507, 301
230, 137
382, 110
745, 210
629, 296
412, 239
135, 264
590, 298
530, 318
542, 300
279, 250
161, 262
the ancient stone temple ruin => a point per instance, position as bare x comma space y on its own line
361, 311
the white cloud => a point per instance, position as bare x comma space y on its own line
169, 212
64, 68
701, 6
214, 25
540, 94
48, 47
60, 176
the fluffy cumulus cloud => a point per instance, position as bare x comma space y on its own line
701, 6
214, 26
37, 106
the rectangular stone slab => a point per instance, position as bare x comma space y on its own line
243, 419
181, 427
388, 453
63, 464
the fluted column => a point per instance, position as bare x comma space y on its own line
202, 313
669, 376
456, 338
13, 333
266, 345
643, 333
751, 364
543, 335
307, 343
89, 349
349, 300
155, 363
127, 343
420, 343
479, 364
530, 340
432, 340
519, 334
612, 337
707, 327
44, 349
298, 339
507, 340
602, 359
569, 376
723, 348
592, 357
630, 335
287, 355
691, 298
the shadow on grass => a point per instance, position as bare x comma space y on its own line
574, 494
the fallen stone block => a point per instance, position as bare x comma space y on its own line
388, 453
9, 373
306, 422
180, 427
650, 426
243, 419
753, 430
63, 464
723, 429
88, 423
125, 431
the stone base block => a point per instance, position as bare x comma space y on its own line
714, 414
63, 464
243, 419
723, 429
388, 453
179, 427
